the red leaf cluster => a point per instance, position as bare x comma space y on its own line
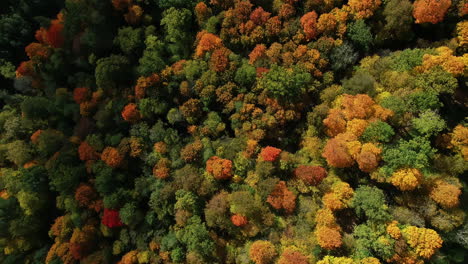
111, 218
130, 113
282, 198
309, 24
239, 220
311, 175
270, 153
87, 152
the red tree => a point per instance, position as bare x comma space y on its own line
259, 16
208, 42
54, 34
270, 153
311, 175
80, 94
112, 157
87, 152
111, 218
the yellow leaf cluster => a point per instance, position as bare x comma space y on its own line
424, 241
452, 64
406, 179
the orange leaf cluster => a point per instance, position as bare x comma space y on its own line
87, 152
208, 42
191, 152
112, 157
54, 34
131, 113
143, 83
445, 59
258, 52
37, 50
134, 14
262, 252
460, 140
259, 16
363, 8
282, 198
339, 196
309, 25
121, 5
80, 94
345, 124
311, 175
239, 220
291, 256
430, 11
35, 136
445, 194
86, 196
221, 169
328, 238
219, 60
130, 257
270, 153
82, 241
162, 168
202, 12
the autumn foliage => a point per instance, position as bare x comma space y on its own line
208, 42
130, 113
221, 169
445, 194
282, 198
309, 24
239, 220
311, 175
111, 218
112, 157
270, 153
262, 252
430, 11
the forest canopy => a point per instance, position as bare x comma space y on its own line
233, 131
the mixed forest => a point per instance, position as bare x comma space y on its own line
233, 131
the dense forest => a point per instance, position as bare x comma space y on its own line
233, 131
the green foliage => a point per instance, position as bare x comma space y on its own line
36, 107
407, 59
370, 201
428, 123
153, 57
196, 238
129, 40
361, 83
245, 75
437, 80
414, 153
111, 70
176, 23
360, 34
378, 131
286, 83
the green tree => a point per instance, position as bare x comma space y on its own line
285, 83
428, 123
378, 131
370, 201
112, 70
360, 34
129, 40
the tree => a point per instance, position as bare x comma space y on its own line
370, 201
363, 9
328, 238
176, 22
152, 60
311, 175
239, 220
262, 252
112, 157
428, 123
291, 255
282, 198
360, 34
445, 194
130, 113
87, 152
207, 42
111, 70
270, 153
336, 153
406, 179
111, 218
430, 11
378, 131
423, 241
285, 83
129, 40
309, 25
221, 169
